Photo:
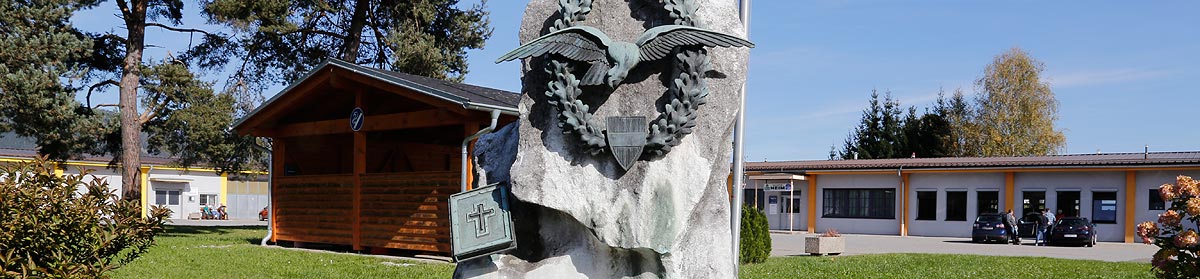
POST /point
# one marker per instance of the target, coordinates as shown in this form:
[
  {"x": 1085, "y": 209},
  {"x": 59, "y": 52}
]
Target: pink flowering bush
[{"x": 1177, "y": 256}]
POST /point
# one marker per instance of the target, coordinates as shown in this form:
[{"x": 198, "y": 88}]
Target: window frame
[
  {"x": 979, "y": 204},
  {"x": 951, "y": 207},
  {"x": 922, "y": 211},
  {"x": 1155, "y": 198},
  {"x": 209, "y": 199},
  {"x": 859, "y": 203},
  {"x": 1098, "y": 203}
]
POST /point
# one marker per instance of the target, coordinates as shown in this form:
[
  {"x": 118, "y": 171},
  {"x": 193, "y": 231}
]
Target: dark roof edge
[
  {"x": 377, "y": 74},
  {"x": 981, "y": 169}
]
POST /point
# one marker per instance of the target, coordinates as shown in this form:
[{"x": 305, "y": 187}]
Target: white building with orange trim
[{"x": 942, "y": 196}]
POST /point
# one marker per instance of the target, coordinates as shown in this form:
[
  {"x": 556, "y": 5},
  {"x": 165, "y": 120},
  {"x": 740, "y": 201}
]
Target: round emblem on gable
[{"x": 356, "y": 119}]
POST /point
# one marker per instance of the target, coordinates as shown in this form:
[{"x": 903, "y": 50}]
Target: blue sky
[{"x": 1124, "y": 72}]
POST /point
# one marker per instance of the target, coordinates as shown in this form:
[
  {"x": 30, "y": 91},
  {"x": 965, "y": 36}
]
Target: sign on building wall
[{"x": 777, "y": 187}]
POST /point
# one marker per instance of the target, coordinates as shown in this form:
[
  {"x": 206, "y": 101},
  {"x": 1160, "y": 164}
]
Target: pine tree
[
  {"x": 879, "y": 133},
  {"x": 42, "y": 63},
  {"x": 280, "y": 41}
]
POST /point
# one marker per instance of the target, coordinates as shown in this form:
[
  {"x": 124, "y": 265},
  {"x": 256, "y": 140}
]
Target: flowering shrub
[
  {"x": 1177, "y": 241},
  {"x": 831, "y": 233}
]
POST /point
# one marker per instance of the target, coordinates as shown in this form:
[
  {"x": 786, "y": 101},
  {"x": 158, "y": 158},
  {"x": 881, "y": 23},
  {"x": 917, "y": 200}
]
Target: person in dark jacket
[
  {"x": 1042, "y": 224},
  {"x": 1011, "y": 222}
]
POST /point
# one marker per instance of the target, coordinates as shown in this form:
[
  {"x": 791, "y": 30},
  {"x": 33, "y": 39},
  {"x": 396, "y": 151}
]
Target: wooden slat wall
[
  {"x": 400, "y": 210},
  {"x": 408, "y": 210},
  {"x": 314, "y": 208}
]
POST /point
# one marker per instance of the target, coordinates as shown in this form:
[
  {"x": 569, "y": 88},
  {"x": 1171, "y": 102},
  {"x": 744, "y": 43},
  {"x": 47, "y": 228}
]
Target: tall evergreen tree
[
  {"x": 163, "y": 100},
  {"x": 41, "y": 65},
  {"x": 879, "y": 133},
  {"x": 926, "y": 135},
  {"x": 957, "y": 112},
  {"x": 1016, "y": 109},
  {"x": 279, "y": 41},
  {"x": 47, "y": 62}
]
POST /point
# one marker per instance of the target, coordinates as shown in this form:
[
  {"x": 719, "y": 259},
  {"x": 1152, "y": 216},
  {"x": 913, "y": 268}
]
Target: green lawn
[
  {"x": 940, "y": 266},
  {"x": 233, "y": 252}
]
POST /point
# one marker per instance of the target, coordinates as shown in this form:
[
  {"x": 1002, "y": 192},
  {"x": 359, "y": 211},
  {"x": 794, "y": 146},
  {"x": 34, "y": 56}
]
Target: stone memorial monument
[{"x": 618, "y": 166}]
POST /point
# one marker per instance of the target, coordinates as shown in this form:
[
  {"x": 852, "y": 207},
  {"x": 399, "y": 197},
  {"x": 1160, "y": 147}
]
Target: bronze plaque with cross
[{"x": 480, "y": 223}]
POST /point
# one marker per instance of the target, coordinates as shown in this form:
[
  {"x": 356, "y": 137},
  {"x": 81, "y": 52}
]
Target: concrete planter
[{"x": 828, "y": 245}]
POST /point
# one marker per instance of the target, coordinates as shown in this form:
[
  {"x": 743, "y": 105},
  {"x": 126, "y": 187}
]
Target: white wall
[
  {"x": 1147, "y": 180},
  {"x": 112, "y": 177},
  {"x": 198, "y": 182},
  {"x": 971, "y": 183},
  {"x": 1086, "y": 183},
  {"x": 858, "y": 225}
]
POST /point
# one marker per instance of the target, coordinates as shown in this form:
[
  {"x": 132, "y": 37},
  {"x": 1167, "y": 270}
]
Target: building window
[
  {"x": 956, "y": 206},
  {"x": 1156, "y": 201},
  {"x": 797, "y": 204},
  {"x": 860, "y": 203},
  {"x": 209, "y": 199},
  {"x": 926, "y": 205},
  {"x": 988, "y": 202},
  {"x": 1104, "y": 207},
  {"x": 1032, "y": 202},
  {"x": 160, "y": 197},
  {"x": 173, "y": 197}
]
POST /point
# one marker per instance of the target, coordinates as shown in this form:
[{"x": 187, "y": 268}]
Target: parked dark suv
[
  {"x": 1073, "y": 230},
  {"x": 988, "y": 227}
]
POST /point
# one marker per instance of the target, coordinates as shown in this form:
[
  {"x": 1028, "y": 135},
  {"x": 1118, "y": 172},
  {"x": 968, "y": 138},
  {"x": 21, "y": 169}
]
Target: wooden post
[
  {"x": 278, "y": 148},
  {"x": 470, "y": 128},
  {"x": 360, "y": 167}
]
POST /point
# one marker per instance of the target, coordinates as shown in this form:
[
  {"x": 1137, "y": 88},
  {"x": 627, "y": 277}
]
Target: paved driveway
[{"x": 783, "y": 244}]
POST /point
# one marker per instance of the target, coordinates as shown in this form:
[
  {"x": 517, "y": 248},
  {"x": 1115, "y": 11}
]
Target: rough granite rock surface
[{"x": 579, "y": 215}]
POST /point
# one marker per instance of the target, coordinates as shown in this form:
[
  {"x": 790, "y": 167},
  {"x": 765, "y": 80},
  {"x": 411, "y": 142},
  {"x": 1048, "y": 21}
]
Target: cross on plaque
[{"x": 479, "y": 217}]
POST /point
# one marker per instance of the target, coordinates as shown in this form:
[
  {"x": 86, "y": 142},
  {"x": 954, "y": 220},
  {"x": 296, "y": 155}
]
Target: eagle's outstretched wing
[
  {"x": 580, "y": 43},
  {"x": 657, "y": 42}
]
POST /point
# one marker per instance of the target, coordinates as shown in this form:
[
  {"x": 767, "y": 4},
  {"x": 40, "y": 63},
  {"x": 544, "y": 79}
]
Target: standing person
[
  {"x": 1050, "y": 221},
  {"x": 1011, "y": 222},
  {"x": 1060, "y": 215},
  {"x": 1042, "y": 224}
]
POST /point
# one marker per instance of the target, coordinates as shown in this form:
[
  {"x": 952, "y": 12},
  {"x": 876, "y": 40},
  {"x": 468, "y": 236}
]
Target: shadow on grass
[
  {"x": 184, "y": 231},
  {"x": 173, "y": 230}
]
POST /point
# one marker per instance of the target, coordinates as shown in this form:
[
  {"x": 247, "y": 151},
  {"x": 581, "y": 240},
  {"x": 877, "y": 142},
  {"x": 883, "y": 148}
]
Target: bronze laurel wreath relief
[{"x": 608, "y": 63}]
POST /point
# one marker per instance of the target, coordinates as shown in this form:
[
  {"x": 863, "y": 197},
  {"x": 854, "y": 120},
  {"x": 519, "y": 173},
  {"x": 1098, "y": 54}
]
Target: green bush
[
  {"x": 62, "y": 227},
  {"x": 756, "y": 240}
]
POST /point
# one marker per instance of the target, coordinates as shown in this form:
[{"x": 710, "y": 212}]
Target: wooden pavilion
[{"x": 380, "y": 182}]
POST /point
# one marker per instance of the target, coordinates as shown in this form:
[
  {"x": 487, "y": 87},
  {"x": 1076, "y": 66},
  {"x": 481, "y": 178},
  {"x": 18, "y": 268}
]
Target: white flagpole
[{"x": 739, "y": 162}]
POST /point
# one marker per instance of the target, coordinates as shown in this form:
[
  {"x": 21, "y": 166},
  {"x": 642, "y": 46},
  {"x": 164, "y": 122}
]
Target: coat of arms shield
[{"x": 626, "y": 138}]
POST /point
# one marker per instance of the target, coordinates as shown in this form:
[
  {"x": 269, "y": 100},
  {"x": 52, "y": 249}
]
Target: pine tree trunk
[
  {"x": 354, "y": 34},
  {"x": 131, "y": 126}
]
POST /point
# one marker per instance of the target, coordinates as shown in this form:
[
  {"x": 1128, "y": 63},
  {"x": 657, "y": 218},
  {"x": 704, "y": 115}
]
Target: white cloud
[{"x": 1105, "y": 76}]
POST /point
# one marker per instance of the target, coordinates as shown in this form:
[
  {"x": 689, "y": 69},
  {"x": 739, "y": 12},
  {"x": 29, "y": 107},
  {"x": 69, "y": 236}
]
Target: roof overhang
[
  {"x": 331, "y": 65},
  {"x": 779, "y": 176},
  {"x": 170, "y": 179}
]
